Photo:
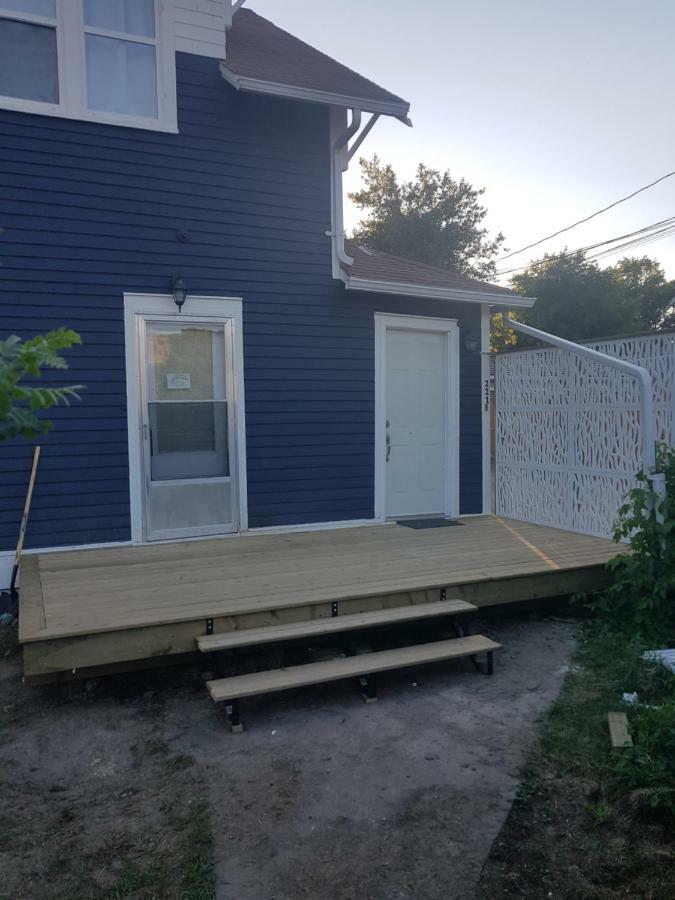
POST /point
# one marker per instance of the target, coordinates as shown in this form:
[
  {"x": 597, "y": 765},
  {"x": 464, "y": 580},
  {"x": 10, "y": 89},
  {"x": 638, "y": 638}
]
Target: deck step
[
  {"x": 251, "y": 636},
  {"x": 224, "y": 689}
]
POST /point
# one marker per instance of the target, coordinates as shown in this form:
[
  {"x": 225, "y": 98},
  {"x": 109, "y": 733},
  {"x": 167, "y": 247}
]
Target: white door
[
  {"x": 187, "y": 425},
  {"x": 416, "y": 409}
]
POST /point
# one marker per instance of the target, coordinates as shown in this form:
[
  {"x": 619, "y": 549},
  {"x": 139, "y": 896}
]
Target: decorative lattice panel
[{"x": 567, "y": 436}]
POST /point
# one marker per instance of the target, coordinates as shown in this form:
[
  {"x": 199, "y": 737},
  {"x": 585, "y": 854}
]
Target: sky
[{"x": 556, "y": 107}]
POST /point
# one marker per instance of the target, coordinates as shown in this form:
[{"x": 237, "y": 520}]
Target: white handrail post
[{"x": 647, "y": 418}]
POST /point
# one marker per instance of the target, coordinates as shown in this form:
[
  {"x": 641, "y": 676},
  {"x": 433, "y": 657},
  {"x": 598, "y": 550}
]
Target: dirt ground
[{"x": 134, "y": 787}]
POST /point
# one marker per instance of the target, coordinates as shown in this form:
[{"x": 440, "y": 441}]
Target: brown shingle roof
[
  {"x": 371, "y": 265},
  {"x": 258, "y": 51}
]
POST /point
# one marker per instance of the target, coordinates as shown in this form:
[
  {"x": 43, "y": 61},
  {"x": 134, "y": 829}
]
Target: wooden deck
[{"x": 82, "y": 610}]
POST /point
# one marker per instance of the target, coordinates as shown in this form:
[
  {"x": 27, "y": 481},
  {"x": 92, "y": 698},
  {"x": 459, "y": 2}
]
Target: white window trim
[
  {"x": 70, "y": 31},
  {"x": 450, "y": 327},
  {"x": 163, "y": 306}
]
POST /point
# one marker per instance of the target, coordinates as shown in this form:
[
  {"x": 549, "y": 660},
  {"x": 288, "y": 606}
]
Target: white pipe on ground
[{"x": 647, "y": 419}]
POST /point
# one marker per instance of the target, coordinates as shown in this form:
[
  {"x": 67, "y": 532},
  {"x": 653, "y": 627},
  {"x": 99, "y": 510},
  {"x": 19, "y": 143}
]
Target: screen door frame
[{"x": 219, "y": 311}]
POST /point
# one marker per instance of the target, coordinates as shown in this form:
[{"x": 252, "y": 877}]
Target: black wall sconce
[
  {"x": 179, "y": 289},
  {"x": 471, "y": 342}
]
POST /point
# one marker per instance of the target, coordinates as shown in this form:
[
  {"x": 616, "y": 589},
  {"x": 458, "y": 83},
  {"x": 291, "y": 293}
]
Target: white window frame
[
  {"x": 450, "y": 328},
  {"x": 72, "y": 75}
]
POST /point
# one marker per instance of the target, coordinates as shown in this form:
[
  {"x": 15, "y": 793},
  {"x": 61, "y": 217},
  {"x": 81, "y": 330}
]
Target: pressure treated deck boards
[
  {"x": 240, "y": 686},
  {"x": 98, "y": 591}
]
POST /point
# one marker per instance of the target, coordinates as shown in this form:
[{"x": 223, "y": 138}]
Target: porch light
[
  {"x": 472, "y": 343},
  {"x": 179, "y": 292}
]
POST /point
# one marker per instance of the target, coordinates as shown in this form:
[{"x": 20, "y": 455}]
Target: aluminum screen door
[{"x": 187, "y": 428}]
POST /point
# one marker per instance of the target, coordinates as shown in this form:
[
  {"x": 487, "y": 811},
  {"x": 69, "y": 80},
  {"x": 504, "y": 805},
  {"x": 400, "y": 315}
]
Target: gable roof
[
  {"x": 383, "y": 273},
  {"x": 265, "y": 59}
]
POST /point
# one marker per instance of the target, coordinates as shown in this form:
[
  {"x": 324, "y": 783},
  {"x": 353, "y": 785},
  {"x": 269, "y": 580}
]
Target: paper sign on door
[{"x": 178, "y": 382}]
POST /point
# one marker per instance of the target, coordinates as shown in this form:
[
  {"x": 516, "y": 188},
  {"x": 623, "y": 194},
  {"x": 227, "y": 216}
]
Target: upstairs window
[
  {"x": 121, "y": 56},
  {"x": 28, "y": 50},
  {"x": 107, "y": 60}
]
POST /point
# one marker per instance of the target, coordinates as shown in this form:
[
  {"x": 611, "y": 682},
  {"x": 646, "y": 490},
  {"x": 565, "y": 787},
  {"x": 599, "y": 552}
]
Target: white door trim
[
  {"x": 450, "y": 327},
  {"x": 162, "y": 306},
  {"x": 485, "y": 406}
]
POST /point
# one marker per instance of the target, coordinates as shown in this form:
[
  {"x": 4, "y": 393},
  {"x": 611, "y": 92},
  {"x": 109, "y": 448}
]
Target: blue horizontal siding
[{"x": 90, "y": 211}]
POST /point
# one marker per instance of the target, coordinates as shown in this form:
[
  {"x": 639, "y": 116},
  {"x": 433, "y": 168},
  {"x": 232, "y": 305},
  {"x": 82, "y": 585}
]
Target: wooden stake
[
  {"x": 618, "y": 730},
  {"x": 24, "y": 519}
]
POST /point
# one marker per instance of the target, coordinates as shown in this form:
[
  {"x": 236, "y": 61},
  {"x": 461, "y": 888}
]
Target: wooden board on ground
[
  {"x": 256, "y": 683},
  {"x": 618, "y": 730}
]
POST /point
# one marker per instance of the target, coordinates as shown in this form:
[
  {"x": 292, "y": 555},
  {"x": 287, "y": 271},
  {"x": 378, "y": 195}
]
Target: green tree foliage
[
  {"x": 432, "y": 219},
  {"x": 21, "y": 403},
  {"x": 641, "y": 598},
  {"x": 576, "y": 299}
]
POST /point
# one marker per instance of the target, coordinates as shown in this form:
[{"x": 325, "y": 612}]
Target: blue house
[{"x": 171, "y": 188}]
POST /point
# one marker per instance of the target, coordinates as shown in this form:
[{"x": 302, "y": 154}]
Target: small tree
[
  {"x": 432, "y": 219},
  {"x": 19, "y": 402}
]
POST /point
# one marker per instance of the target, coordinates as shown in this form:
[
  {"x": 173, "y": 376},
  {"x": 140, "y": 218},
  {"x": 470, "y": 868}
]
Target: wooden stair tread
[
  {"x": 251, "y": 636},
  {"x": 334, "y": 669}
]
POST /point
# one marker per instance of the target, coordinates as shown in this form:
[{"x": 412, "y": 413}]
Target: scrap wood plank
[{"x": 618, "y": 730}]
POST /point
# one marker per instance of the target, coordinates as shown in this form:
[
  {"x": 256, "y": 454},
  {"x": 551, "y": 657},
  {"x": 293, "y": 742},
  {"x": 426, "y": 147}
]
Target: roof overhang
[
  {"x": 292, "y": 92},
  {"x": 508, "y": 301}
]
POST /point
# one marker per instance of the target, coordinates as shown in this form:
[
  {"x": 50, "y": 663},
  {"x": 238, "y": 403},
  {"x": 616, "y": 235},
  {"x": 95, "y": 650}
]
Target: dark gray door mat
[{"x": 427, "y": 523}]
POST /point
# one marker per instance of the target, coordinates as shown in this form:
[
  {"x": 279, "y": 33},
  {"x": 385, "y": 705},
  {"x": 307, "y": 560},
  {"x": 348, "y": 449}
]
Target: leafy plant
[
  {"x": 645, "y": 772},
  {"x": 20, "y": 403},
  {"x": 642, "y": 596}
]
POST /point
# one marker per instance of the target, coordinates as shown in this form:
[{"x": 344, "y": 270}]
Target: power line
[
  {"x": 588, "y": 218},
  {"x": 637, "y": 236},
  {"x": 632, "y": 245}
]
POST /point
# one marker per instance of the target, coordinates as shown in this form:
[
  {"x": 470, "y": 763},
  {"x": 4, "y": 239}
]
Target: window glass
[
  {"x": 36, "y": 7},
  {"x": 128, "y": 16},
  {"x": 28, "y": 66},
  {"x": 121, "y": 76}
]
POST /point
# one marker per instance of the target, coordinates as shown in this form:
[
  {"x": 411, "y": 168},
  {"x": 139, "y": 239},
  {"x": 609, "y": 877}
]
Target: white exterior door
[{"x": 418, "y": 414}]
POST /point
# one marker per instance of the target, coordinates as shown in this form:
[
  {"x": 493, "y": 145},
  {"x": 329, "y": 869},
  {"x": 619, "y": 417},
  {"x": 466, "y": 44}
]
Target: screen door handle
[{"x": 388, "y": 442}]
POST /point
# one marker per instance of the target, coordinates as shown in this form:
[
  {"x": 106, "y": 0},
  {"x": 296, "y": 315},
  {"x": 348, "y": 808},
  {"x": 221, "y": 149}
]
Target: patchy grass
[
  {"x": 189, "y": 876},
  {"x": 591, "y": 822},
  {"x": 127, "y": 820}
]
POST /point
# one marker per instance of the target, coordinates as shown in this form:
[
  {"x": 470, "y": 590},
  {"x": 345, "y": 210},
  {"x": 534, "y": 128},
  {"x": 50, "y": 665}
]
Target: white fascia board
[
  {"x": 432, "y": 293},
  {"x": 242, "y": 83}
]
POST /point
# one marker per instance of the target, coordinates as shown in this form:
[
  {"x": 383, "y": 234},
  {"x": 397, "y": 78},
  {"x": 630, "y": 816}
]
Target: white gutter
[
  {"x": 293, "y": 92},
  {"x": 647, "y": 420},
  {"x": 399, "y": 288}
]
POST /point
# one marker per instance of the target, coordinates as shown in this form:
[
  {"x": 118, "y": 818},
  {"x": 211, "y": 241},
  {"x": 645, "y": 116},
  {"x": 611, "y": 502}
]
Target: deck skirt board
[{"x": 261, "y": 580}]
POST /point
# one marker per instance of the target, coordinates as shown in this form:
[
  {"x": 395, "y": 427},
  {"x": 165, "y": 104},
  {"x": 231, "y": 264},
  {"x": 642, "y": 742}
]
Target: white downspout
[
  {"x": 339, "y": 164},
  {"x": 647, "y": 420}
]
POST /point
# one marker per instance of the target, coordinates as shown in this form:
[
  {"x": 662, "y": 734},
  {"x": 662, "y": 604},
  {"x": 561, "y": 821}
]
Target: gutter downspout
[
  {"x": 647, "y": 420},
  {"x": 340, "y": 164}
]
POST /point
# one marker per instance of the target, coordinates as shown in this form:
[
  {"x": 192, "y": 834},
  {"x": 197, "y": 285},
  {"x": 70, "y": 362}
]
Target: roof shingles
[
  {"x": 259, "y": 50},
  {"x": 371, "y": 265}
]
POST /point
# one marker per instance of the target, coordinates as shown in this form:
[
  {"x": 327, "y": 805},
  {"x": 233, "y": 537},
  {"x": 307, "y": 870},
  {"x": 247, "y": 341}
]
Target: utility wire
[
  {"x": 588, "y": 218},
  {"x": 639, "y": 235},
  {"x": 649, "y": 239}
]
